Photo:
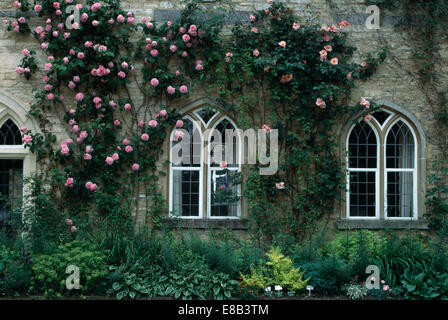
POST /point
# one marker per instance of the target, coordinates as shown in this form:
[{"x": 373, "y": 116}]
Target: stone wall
[{"x": 391, "y": 83}]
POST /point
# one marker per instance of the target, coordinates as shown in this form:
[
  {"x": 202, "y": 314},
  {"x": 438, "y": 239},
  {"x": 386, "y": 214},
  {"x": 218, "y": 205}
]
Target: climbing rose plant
[
  {"x": 114, "y": 136},
  {"x": 273, "y": 72}
]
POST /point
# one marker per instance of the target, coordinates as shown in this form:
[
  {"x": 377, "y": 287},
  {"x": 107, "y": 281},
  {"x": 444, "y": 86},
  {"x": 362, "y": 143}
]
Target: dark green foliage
[
  {"x": 15, "y": 269},
  {"x": 327, "y": 275}
]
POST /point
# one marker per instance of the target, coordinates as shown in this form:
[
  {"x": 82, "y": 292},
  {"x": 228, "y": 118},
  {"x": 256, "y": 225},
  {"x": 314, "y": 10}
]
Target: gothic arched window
[
  {"x": 199, "y": 186},
  {"x": 382, "y": 168}
]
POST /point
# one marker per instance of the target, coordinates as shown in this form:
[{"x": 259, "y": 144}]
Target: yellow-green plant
[{"x": 278, "y": 271}]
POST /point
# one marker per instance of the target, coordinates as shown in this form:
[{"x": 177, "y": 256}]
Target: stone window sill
[
  {"x": 346, "y": 224},
  {"x": 234, "y": 224}
]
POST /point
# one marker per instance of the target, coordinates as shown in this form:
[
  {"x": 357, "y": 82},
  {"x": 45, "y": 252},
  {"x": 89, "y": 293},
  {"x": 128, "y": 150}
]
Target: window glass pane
[
  {"x": 224, "y": 193},
  {"x": 205, "y": 114},
  {"x": 185, "y": 192},
  {"x": 10, "y": 134},
  {"x": 381, "y": 116},
  {"x": 362, "y": 147},
  {"x": 362, "y": 194},
  {"x": 399, "y": 194},
  {"x": 228, "y": 149},
  {"x": 11, "y": 175},
  {"x": 193, "y": 149},
  {"x": 400, "y": 147}
]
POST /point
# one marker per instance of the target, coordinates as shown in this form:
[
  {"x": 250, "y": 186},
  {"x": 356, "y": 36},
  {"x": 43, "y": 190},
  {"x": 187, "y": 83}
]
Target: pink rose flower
[
  {"x": 365, "y": 103},
  {"x": 154, "y": 82},
  {"x": 68, "y": 222},
  {"x": 280, "y": 185},
  {"x": 97, "y": 100},
  {"x": 179, "y": 123},
  {"x": 178, "y": 134},
  {"x": 96, "y": 6},
  {"x": 186, "y": 38},
  {"x": 152, "y": 123},
  {"x": 135, "y": 166},
  {"x": 115, "y": 156},
  {"x": 27, "y": 139},
  {"x": 320, "y": 103},
  {"x": 266, "y": 128},
  {"x": 109, "y": 160},
  {"x": 79, "y": 96},
  {"x": 170, "y": 90},
  {"x": 128, "y": 149},
  {"x": 117, "y": 123},
  {"x": 367, "y": 117},
  {"x": 87, "y": 156},
  {"x": 163, "y": 113},
  {"x": 183, "y": 89},
  {"x": 145, "y": 137}
]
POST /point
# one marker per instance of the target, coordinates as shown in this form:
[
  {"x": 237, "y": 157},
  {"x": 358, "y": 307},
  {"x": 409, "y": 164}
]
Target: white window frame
[
  {"x": 210, "y": 169},
  {"x": 218, "y": 117},
  {"x": 413, "y": 170},
  {"x": 377, "y": 175},
  {"x": 180, "y": 168}
]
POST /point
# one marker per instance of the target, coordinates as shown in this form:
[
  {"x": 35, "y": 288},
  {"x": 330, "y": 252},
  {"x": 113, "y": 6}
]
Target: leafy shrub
[
  {"x": 229, "y": 257},
  {"x": 359, "y": 249},
  {"x": 14, "y": 272},
  {"x": 49, "y": 270},
  {"x": 278, "y": 270},
  {"x": 327, "y": 275},
  {"x": 401, "y": 254},
  {"x": 191, "y": 280},
  {"x": 424, "y": 285},
  {"x": 382, "y": 292},
  {"x": 355, "y": 290},
  {"x": 129, "y": 283}
]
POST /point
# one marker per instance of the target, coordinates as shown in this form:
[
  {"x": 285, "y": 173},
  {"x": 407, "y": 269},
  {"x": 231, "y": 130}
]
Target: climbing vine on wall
[
  {"x": 280, "y": 73},
  {"x": 423, "y": 25},
  {"x": 272, "y": 72},
  {"x": 114, "y": 136}
]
